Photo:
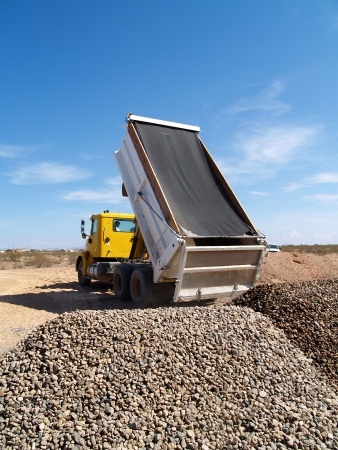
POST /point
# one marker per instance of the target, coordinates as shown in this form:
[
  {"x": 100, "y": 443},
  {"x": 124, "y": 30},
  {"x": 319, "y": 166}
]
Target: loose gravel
[
  {"x": 308, "y": 314},
  {"x": 219, "y": 377}
]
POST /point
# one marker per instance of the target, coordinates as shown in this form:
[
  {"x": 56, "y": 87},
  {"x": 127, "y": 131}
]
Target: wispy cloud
[
  {"x": 265, "y": 101},
  {"x": 292, "y": 187},
  {"x": 267, "y": 144},
  {"x": 259, "y": 193},
  {"x": 327, "y": 198},
  {"x": 319, "y": 178},
  {"x": 15, "y": 151},
  {"x": 47, "y": 173},
  {"x": 109, "y": 196},
  {"x": 325, "y": 177},
  {"x": 91, "y": 156},
  {"x": 263, "y": 150},
  {"x": 276, "y": 145}
]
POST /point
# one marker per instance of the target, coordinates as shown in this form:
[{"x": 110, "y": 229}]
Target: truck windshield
[{"x": 124, "y": 225}]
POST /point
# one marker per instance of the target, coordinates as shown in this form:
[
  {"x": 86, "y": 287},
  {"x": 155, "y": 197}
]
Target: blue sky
[{"x": 259, "y": 77}]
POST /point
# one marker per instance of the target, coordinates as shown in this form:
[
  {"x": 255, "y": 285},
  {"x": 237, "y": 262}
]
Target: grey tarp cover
[{"x": 199, "y": 204}]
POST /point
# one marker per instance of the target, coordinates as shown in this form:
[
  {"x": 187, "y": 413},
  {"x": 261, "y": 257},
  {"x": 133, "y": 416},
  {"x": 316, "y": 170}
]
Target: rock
[
  {"x": 307, "y": 312},
  {"x": 177, "y": 387}
]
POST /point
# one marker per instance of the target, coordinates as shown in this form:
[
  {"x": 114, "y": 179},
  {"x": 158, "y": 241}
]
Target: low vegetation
[
  {"x": 11, "y": 259},
  {"x": 19, "y": 260},
  {"x": 315, "y": 249}
]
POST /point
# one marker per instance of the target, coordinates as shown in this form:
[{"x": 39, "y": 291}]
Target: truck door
[
  {"x": 93, "y": 240},
  {"x": 123, "y": 233}
]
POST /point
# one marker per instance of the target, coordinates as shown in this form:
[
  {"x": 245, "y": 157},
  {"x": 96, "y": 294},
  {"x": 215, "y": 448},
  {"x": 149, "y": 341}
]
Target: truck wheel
[
  {"x": 121, "y": 281},
  {"x": 83, "y": 281},
  {"x": 141, "y": 284}
]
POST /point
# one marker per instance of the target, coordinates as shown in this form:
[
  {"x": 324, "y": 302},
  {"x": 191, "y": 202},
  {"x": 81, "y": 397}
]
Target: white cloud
[
  {"x": 14, "y": 151},
  {"x": 265, "y": 101},
  {"x": 319, "y": 178},
  {"x": 110, "y": 196},
  {"x": 263, "y": 150},
  {"x": 47, "y": 173},
  {"x": 323, "y": 197},
  {"x": 91, "y": 156},
  {"x": 276, "y": 145},
  {"x": 259, "y": 194},
  {"x": 292, "y": 187},
  {"x": 300, "y": 223},
  {"x": 9, "y": 151},
  {"x": 325, "y": 177},
  {"x": 266, "y": 145}
]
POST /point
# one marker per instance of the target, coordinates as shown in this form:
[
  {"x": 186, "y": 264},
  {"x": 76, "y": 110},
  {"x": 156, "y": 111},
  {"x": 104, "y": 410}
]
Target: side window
[
  {"x": 94, "y": 227},
  {"x": 124, "y": 225},
  {"x": 116, "y": 225}
]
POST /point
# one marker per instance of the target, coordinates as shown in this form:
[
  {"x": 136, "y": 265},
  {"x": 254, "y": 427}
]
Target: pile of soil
[{"x": 291, "y": 267}]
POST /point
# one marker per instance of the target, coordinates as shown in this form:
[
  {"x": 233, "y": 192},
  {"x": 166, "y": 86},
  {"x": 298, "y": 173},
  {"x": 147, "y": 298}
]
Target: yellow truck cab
[{"x": 109, "y": 241}]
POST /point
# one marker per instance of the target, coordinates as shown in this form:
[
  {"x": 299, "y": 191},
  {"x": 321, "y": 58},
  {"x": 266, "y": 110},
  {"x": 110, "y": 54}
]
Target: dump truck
[{"x": 188, "y": 238}]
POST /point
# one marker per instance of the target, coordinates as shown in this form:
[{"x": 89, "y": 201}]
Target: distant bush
[
  {"x": 39, "y": 260},
  {"x": 20, "y": 260},
  {"x": 12, "y": 256},
  {"x": 316, "y": 249},
  {"x": 72, "y": 257}
]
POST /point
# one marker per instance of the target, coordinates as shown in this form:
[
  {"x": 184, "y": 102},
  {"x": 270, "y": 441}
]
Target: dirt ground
[{"x": 29, "y": 297}]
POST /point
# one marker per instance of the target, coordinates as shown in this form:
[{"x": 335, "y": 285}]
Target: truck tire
[
  {"x": 141, "y": 285},
  {"x": 83, "y": 281},
  {"x": 121, "y": 281}
]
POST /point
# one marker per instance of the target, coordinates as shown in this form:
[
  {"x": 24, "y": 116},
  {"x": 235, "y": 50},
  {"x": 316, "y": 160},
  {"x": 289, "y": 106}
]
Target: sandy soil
[
  {"x": 30, "y": 297},
  {"x": 289, "y": 267}
]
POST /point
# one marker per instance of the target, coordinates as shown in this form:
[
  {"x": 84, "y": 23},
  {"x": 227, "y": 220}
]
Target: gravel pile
[
  {"x": 220, "y": 377},
  {"x": 308, "y": 314}
]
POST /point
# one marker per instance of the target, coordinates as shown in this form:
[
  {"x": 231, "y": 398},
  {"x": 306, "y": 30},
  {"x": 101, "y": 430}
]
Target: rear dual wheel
[
  {"x": 145, "y": 293},
  {"x": 137, "y": 284},
  {"x": 121, "y": 281},
  {"x": 141, "y": 287}
]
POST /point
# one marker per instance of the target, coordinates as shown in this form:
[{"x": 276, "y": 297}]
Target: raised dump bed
[{"x": 196, "y": 232}]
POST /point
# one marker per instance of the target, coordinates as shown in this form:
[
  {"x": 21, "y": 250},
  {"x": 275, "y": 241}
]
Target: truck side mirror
[{"x": 83, "y": 234}]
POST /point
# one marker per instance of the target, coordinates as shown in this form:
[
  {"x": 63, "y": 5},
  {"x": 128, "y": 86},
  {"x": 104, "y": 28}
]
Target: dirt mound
[{"x": 290, "y": 267}]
